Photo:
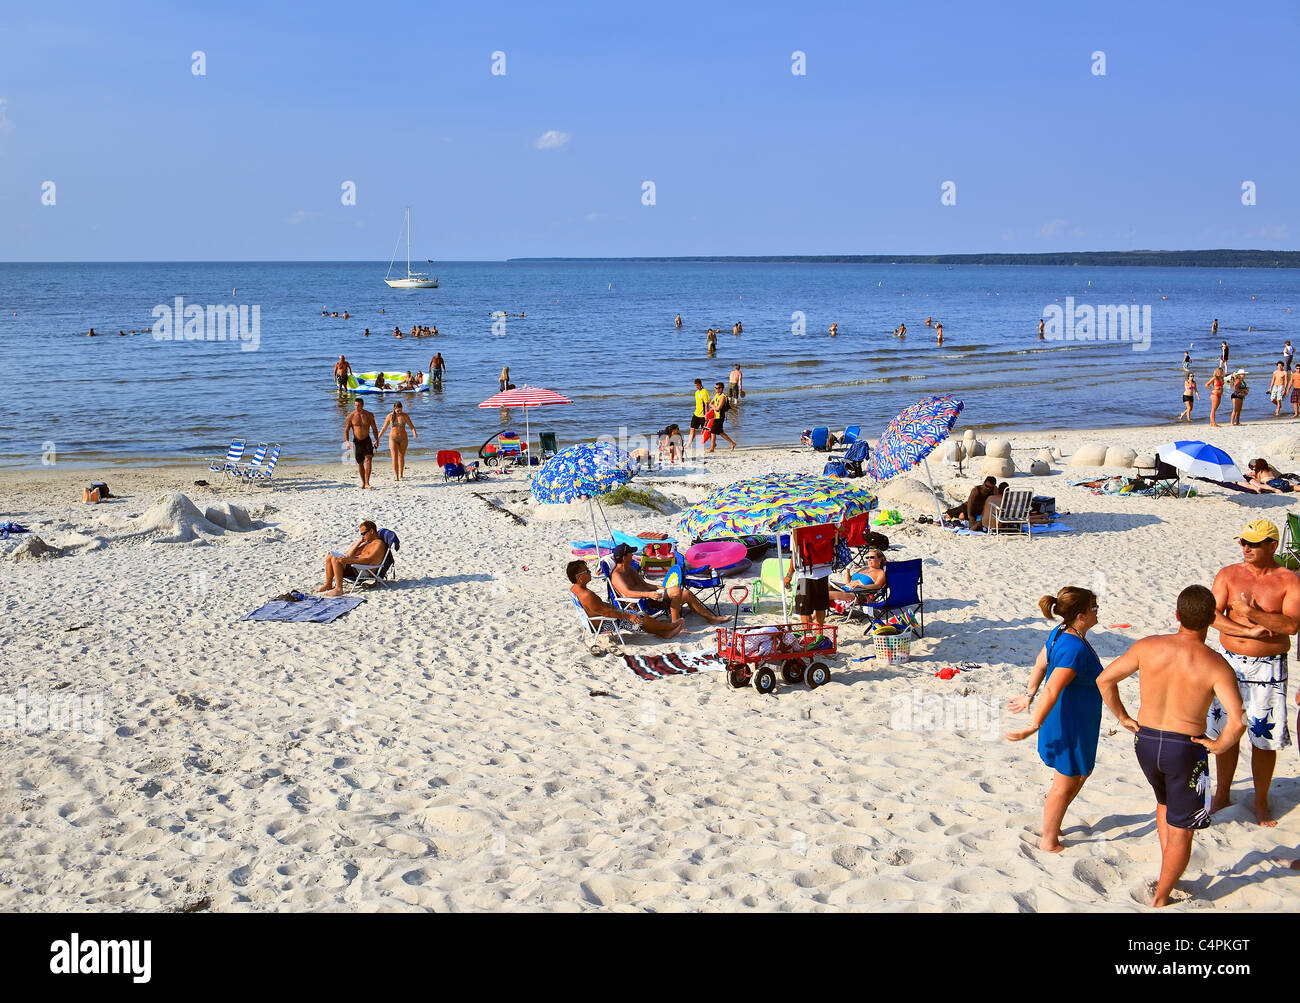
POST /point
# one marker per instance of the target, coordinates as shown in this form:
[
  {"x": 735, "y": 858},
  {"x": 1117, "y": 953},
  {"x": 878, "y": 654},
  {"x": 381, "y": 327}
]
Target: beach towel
[
  {"x": 308, "y": 609},
  {"x": 674, "y": 664}
]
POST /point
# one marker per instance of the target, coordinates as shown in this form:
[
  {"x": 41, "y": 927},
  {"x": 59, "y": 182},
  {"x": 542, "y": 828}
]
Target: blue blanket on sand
[{"x": 310, "y": 609}]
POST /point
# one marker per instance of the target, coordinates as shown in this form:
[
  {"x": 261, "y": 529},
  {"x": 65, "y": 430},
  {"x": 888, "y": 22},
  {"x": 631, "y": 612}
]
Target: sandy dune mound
[
  {"x": 34, "y": 549},
  {"x": 908, "y": 492}
]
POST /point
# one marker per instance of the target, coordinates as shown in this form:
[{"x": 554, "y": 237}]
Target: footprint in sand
[{"x": 1143, "y": 893}]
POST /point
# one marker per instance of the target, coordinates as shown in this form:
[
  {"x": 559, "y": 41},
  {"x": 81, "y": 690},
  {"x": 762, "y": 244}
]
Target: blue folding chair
[{"x": 903, "y": 580}]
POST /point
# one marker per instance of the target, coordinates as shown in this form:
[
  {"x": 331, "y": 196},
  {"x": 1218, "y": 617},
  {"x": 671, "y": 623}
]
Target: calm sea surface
[{"x": 602, "y": 334}]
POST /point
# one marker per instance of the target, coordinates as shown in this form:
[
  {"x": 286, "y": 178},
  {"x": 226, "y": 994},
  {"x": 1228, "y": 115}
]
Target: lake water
[{"x": 601, "y": 333}]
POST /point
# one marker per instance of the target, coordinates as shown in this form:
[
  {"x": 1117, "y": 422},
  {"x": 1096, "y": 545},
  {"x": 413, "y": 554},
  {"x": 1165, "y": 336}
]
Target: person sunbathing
[
  {"x": 629, "y": 584},
  {"x": 408, "y": 382},
  {"x": 1263, "y": 479},
  {"x": 370, "y": 550},
  {"x": 379, "y": 382},
  {"x": 864, "y": 581},
  {"x": 580, "y": 577}
]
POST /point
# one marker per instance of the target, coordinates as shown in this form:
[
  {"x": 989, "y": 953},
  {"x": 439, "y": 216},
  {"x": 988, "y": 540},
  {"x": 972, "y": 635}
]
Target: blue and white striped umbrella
[
  {"x": 1200, "y": 459},
  {"x": 911, "y": 437},
  {"x": 586, "y": 470}
]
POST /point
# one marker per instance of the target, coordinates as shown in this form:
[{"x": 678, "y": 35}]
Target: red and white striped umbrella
[{"x": 525, "y": 397}]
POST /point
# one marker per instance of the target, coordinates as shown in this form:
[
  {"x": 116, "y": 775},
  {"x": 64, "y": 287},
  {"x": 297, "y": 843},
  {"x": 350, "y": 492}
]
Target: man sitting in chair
[
  {"x": 628, "y": 584},
  {"x": 370, "y": 550},
  {"x": 580, "y": 575}
]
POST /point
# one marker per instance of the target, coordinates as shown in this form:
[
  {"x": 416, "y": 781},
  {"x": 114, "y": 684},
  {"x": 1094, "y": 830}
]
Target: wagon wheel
[
  {"x": 792, "y": 671},
  {"x": 818, "y": 674},
  {"x": 738, "y": 675},
  {"x": 764, "y": 680}
]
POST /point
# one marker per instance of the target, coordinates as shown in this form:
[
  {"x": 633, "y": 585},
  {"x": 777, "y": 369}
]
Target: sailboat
[{"x": 413, "y": 280}]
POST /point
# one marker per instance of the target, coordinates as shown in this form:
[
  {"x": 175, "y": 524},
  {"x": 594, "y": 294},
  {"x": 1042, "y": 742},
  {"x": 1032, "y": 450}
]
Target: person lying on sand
[
  {"x": 628, "y": 584},
  {"x": 369, "y": 550},
  {"x": 1263, "y": 479},
  {"x": 580, "y": 577}
]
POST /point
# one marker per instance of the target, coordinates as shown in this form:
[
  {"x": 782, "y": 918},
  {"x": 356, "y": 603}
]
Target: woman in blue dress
[{"x": 1068, "y": 719}]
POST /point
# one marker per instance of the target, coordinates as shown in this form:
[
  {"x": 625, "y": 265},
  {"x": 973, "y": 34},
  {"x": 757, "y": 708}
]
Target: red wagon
[{"x": 752, "y": 654}]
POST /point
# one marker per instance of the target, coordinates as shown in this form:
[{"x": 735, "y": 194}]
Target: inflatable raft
[{"x": 364, "y": 383}]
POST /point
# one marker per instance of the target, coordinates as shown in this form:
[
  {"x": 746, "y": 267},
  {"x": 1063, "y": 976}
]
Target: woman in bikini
[
  {"x": 1215, "y": 386},
  {"x": 1239, "y": 391},
  {"x": 396, "y": 425},
  {"x": 1189, "y": 388}
]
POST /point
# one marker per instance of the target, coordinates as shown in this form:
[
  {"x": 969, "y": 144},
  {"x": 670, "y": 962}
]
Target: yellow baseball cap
[{"x": 1259, "y": 531}]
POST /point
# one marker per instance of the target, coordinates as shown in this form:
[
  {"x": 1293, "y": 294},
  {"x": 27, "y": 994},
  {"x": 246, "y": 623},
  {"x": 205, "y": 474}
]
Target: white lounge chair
[{"x": 1012, "y": 516}]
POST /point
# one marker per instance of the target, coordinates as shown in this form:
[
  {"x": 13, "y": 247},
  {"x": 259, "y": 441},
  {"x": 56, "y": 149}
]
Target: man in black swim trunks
[
  {"x": 1180, "y": 676},
  {"x": 359, "y": 429}
]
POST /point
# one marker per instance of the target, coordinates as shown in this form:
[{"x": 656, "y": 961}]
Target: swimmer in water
[
  {"x": 1040, "y": 331},
  {"x": 835, "y": 329},
  {"x": 677, "y": 322}
]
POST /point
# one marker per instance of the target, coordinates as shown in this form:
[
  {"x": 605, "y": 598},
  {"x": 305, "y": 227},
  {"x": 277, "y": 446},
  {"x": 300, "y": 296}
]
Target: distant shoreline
[{"x": 1223, "y": 258}]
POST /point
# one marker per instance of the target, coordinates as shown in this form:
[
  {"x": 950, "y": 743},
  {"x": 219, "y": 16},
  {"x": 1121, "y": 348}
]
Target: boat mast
[{"x": 408, "y": 241}]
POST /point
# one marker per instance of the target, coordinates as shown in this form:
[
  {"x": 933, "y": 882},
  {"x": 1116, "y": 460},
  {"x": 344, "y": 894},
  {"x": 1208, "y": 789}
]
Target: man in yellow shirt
[{"x": 699, "y": 420}]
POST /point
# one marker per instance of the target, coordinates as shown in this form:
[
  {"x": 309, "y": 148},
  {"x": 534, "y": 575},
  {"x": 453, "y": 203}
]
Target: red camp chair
[{"x": 453, "y": 468}]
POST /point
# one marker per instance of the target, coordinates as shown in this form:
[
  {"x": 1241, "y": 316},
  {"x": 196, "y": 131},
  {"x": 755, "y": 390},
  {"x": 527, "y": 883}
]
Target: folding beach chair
[
  {"x": 375, "y": 574},
  {"x": 596, "y": 627},
  {"x": 902, "y": 595},
  {"x": 817, "y": 438},
  {"x": 1288, "y": 551},
  {"x": 851, "y": 435},
  {"x": 453, "y": 468},
  {"x": 258, "y": 460},
  {"x": 262, "y": 474},
  {"x": 230, "y": 462},
  {"x": 770, "y": 582},
  {"x": 1012, "y": 516}
]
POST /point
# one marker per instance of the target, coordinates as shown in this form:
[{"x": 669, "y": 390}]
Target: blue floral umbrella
[
  {"x": 912, "y": 436},
  {"x": 587, "y": 470},
  {"x": 775, "y": 503}
]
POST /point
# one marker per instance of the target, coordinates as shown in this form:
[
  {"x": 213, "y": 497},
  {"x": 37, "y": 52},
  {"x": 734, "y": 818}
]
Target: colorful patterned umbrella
[
  {"x": 775, "y": 503},
  {"x": 525, "y": 397},
  {"x": 582, "y": 471},
  {"x": 587, "y": 470},
  {"x": 912, "y": 436}
]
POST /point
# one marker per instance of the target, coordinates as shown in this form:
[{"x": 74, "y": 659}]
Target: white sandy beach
[{"x": 439, "y": 747}]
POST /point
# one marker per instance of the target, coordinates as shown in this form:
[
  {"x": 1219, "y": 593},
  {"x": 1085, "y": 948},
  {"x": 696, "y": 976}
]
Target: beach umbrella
[
  {"x": 912, "y": 436},
  {"x": 1199, "y": 459},
  {"x": 776, "y": 504},
  {"x": 525, "y": 397},
  {"x": 587, "y": 470}
]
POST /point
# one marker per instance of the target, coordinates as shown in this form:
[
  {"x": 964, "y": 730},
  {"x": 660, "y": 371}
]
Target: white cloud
[
  {"x": 1271, "y": 231},
  {"x": 5, "y": 124},
  {"x": 301, "y": 216},
  {"x": 552, "y": 139},
  {"x": 1051, "y": 228},
  {"x": 591, "y": 217}
]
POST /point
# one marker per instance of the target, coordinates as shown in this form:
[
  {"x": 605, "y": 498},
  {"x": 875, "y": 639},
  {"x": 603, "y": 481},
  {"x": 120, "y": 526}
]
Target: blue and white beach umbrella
[
  {"x": 587, "y": 470},
  {"x": 1200, "y": 459}
]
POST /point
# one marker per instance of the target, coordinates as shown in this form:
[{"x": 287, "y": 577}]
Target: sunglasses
[{"x": 1252, "y": 546}]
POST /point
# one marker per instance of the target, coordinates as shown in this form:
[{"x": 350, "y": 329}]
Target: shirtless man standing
[
  {"x": 1179, "y": 678},
  {"x": 437, "y": 367},
  {"x": 361, "y": 423},
  {"x": 734, "y": 388},
  {"x": 1258, "y": 607},
  {"x": 341, "y": 371}
]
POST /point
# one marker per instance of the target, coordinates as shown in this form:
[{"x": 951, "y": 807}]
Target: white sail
[{"x": 413, "y": 280}]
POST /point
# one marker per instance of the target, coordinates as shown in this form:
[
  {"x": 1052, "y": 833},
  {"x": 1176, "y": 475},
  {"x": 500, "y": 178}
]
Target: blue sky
[{"x": 151, "y": 162}]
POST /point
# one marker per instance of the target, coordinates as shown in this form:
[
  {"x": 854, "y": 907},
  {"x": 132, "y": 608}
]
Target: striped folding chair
[
  {"x": 262, "y": 474},
  {"x": 229, "y": 464}
]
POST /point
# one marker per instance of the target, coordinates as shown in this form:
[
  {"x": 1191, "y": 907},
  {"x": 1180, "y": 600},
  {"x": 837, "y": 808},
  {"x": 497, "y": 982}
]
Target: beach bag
[
  {"x": 878, "y": 540},
  {"x": 836, "y": 468},
  {"x": 842, "y": 556}
]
